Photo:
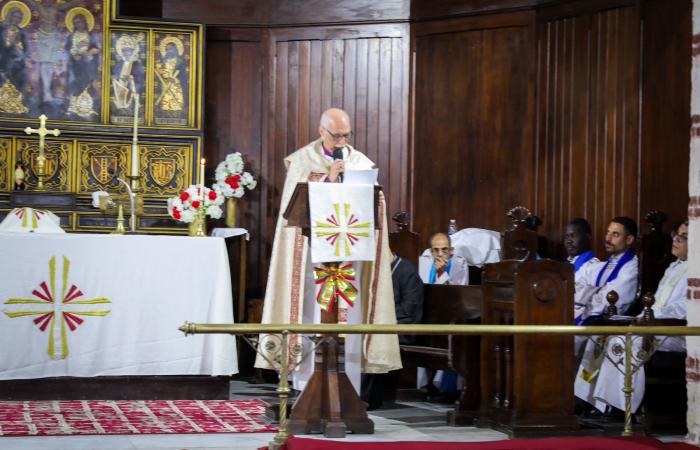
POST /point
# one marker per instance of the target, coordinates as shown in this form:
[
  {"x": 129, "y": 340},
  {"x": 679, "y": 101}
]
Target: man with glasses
[
  {"x": 441, "y": 265},
  {"x": 670, "y": 308},
  {"x": 290, "y": 296}
]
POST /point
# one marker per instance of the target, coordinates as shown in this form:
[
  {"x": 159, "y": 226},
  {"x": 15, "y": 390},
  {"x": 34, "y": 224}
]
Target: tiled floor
[{"x": 406, "y": 421}]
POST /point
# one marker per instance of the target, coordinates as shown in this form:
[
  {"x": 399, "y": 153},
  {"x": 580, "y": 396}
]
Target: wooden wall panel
[
  {"x": 219, "y": 12},
  {"x": 666, "y": 107},
  {"x": 612, "y": 115},
  {"x": 233, "y": 117},
  {"x": 473, "y": 120},
  {"x": 587, "y": 147}
]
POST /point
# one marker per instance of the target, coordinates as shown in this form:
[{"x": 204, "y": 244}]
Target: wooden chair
[
  {"x": 654, "y": 257},
  {"x": 519, "y": 242},
  {"x": 404, "y": 242},
  {"x": 665, "y": 390}
]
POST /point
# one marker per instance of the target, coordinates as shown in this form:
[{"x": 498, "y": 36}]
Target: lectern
[{"x": 329, "y": 403}]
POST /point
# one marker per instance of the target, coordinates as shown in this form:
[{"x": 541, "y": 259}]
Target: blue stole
[
  {"x": 582, "y": 259},
  {"x": 624, "y": 259},
  {"x": 433, "y": 272}
]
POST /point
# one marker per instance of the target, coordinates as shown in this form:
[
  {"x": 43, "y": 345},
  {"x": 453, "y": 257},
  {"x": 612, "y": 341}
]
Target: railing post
[
  {"x": 283, "y": 391},
  {"x": 628, "y": 388}
]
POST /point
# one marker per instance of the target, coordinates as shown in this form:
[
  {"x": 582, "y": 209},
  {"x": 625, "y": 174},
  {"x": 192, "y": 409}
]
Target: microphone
[{"x": 338, "y": 154}]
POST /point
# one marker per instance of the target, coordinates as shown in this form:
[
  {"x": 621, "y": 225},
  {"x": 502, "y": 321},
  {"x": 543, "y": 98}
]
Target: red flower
[
  {"x": 233, "y": 181},
  {"x": 176, "y": 214},
  {"x": 212, "y": 195},
  {"x": 196, "y": 204},
  {"x": 184, "y": 196}
]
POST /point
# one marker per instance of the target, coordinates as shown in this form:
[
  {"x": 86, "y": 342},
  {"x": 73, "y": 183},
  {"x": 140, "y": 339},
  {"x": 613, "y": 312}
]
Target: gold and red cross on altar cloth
[{"x": 56, "y": 314}]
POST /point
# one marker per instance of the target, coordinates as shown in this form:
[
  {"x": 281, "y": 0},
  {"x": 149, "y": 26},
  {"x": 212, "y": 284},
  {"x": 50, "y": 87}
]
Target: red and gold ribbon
[{"x": 336, "y": 282}]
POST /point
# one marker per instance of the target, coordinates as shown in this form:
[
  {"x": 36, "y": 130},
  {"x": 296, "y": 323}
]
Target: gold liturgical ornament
[{"x": 42, "y": 131}]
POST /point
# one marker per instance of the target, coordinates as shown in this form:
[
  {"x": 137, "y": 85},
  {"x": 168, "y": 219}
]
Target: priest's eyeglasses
[
  {"x": 339, "y": 136},
  {"x": 679, "y": 237},
  {"x": 437, "y": 251}
]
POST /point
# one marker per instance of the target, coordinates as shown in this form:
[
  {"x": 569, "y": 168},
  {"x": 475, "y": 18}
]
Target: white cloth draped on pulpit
[
  {"x": 91, "y": 305},
  {"x": 342, "y": 222},
  {"x": 30, "y": 220}
]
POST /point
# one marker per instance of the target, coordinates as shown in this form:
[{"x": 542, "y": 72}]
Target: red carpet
[
  {"x": 38, "y": 418},
  {"x": 564, "y": 443}
]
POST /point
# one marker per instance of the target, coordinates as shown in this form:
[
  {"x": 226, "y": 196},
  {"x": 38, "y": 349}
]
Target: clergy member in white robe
[
  {"x": 618, "y": 273},
  {"x": 290, "y": 296},
  {"x": 439, "y": 264},
  {"x": 670, "y": 303}
]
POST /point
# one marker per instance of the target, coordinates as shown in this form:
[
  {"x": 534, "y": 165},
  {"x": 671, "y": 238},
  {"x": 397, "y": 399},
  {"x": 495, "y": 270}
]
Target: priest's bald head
[{"x": 335, "y": 128}]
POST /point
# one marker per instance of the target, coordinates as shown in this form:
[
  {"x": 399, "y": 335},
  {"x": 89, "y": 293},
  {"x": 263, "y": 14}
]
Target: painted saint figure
[
  {"x": 170, "y": 71},
  {"x": 83, "y": 59},
  {"x": 15, "y": 17},
  {"x": 128, "y": 74}
]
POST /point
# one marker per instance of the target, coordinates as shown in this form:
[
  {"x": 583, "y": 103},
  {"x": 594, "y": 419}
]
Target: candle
[
  {"x": 134, "y": 145},
  {"x": 201, "y": 173}
]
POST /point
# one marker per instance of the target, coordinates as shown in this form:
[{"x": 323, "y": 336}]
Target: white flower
[
  {"x": 195, "y": 193},
  {"x": 215, "y": 212},
  {"x": 227, "y": 170},
  {"x": 187, "y": 216}
]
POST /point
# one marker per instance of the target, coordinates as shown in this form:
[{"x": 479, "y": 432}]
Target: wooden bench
[{"x": 450, "y": 304}]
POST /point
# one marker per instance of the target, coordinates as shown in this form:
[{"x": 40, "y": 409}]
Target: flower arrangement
[
  {"x": 196, "y": 199},
  {"x": 231, "y": 180}
]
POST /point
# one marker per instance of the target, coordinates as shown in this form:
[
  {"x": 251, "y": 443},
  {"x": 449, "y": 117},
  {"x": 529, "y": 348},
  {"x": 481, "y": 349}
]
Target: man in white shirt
[
  {"x": 439, "y": 264},
  {"x": 618, "y": 273},
  {"x": 670, "y": 307}
]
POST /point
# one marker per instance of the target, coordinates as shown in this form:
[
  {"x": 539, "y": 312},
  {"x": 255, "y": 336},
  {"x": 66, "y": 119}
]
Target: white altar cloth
[{"x": 90, "y": 305}]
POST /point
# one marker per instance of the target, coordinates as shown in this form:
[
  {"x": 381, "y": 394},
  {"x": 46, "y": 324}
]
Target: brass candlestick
[{"x": 120, "y": 220}]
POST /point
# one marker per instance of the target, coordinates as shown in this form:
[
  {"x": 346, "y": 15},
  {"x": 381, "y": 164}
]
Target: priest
[{"x": 290, "y": 296}]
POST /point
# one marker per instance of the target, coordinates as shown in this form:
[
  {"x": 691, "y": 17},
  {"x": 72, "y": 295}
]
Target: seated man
[
  {"x": 670, "y": 307},
  {"x": 577, "y": 242},
  {"x": 439, "y": 264},
  {"x": 618, "y": 273},
  {"x": 408, "y": 300}
]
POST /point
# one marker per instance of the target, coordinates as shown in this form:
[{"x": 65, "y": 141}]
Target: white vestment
[
  {"x": 578, "y": 275},
  {"x": 606, "y": 388},
  {"x": 290, "y": 293},
  {"x": 590, "y": 297},
  {"x": 592, "y": 288},
  {"x": 458, "y": 274}
]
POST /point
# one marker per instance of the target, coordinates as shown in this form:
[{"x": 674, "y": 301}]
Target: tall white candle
[
  {"x": 134, "y": 144},
  {"x": 201, "y": 173}
]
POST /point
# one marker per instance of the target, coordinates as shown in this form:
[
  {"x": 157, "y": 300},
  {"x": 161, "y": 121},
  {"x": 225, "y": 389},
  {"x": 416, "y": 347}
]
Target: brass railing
[{"x": 286, "y": 329}]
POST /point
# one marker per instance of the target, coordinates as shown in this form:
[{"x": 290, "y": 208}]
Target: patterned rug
[{"x": 39, "y": 418}]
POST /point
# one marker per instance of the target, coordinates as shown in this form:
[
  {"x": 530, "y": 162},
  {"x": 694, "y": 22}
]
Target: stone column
[{"x": 693, "y": 343}]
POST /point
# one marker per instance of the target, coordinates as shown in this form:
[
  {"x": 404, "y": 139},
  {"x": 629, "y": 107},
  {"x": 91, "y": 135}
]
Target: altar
[{"x": 88, "y": 305}]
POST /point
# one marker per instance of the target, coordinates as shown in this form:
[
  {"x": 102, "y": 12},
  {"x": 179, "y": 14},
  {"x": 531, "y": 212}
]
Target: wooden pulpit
[
  {"x": 527, "y": 380},
  {"x": 329, "y": 404}
]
